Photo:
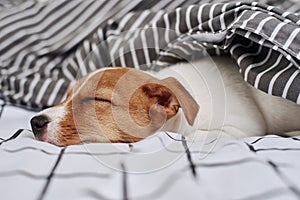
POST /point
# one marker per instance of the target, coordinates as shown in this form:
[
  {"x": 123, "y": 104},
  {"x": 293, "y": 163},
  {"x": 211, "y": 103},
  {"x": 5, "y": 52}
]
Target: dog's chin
[
  {"x": 51, "y": 139},
  {"x": 44, "y": 138}
]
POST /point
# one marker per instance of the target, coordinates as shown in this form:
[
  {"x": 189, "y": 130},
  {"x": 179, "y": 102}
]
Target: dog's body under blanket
[{"x": 202, "y": 99}]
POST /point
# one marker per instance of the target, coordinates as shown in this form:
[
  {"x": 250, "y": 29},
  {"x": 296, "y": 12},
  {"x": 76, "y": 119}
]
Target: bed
[
  {"x": 44, "y": 49},
  {"x": 163, "y": 166}
]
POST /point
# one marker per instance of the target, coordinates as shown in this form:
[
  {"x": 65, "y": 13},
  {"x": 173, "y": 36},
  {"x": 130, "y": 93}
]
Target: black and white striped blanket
[{"x": 46, "y": 45}]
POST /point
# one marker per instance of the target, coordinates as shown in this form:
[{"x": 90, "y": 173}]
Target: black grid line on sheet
[
  {"x": 178, "y": 140},
  {"x": 271, "y": 149},
  {"x": 82, "y": 174},
  {"x": 22, "y": 173},
  {"x": 2, "y": 106},
  {"x": 257, "y": 140},
  {"x": 29, "y": 148},
  {"x": 176, "y": 151},
  {"x": 66, "y": 153},
  {"x": 296, "y": 139},
  {"x": 253, "y": 149},
  {"x": 124, "y": 182},
  {"x": 272, "y": 137},
  {"x": 285, "y": 179},
  {"x": 49, "y": 177},
  {"x": 277, "y": 149},
  {"x": 130, "y": 146},
  {"x": 189, "y": 157},
  {"x": 15, "y": 135},
  {"x": 230, "y": 163},
  {"x": 57, "y": 176},
  {"x": 275, "y": 166}
]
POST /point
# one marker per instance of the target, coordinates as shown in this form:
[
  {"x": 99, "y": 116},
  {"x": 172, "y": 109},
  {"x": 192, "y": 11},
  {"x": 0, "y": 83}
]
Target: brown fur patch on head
[{"x": 89, "y": 111}]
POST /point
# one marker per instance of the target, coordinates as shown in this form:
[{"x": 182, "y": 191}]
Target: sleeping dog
[{"x": 203, "y": 99}]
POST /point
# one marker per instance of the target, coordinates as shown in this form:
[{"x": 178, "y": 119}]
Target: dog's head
[{"x": 113, "y": 105}]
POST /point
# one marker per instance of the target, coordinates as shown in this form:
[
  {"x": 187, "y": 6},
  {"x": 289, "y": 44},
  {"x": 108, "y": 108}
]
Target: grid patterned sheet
[
  {"x": 164, "y": 166},
  {"x": 47, "y": 45}
]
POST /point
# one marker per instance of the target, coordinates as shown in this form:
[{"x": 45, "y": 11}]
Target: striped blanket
[{"x": 45, "y": 45}]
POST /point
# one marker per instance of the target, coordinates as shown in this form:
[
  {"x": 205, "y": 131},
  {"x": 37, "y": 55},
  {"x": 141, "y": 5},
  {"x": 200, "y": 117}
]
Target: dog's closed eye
[{"x": 88, "y": 99}]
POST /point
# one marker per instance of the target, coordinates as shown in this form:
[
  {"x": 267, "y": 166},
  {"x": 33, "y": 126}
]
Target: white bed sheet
[{"x": 160, "y": 167}]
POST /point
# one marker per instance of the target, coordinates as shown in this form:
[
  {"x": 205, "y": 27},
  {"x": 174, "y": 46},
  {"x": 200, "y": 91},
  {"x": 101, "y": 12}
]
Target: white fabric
[{"x": 160, "y": 167}]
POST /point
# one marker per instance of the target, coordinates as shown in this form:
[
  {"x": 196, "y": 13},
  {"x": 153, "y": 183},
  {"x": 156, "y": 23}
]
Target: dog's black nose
[{"x": 38, "y": 124}]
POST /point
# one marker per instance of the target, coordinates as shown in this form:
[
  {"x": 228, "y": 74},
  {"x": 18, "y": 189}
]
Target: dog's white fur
[
  {"x": 229, "y": 106},
  {"x": 55, "y": 114}
]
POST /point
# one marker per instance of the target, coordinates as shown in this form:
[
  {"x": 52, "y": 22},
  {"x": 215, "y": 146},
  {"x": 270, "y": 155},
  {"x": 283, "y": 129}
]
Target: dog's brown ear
[
  {"x": 188, "y": 104},
  {"x": 171, "y": 95},
  {"x": 164, "y": 97}
]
